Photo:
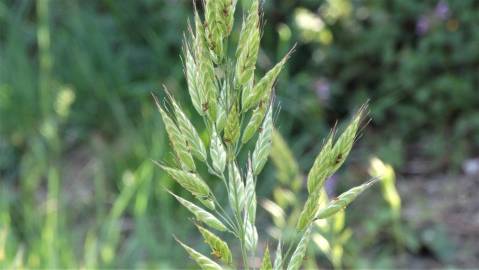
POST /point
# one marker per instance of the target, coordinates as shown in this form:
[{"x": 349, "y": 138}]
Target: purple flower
[
  {"x": 422, "y": 25},
  {"x": 322, "y": 88},
  {"x": 442, "y": 10}
]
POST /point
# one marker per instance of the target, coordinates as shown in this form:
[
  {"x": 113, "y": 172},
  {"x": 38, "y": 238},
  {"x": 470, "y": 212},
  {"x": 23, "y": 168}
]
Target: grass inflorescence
[{"x": 238, "y": 113}]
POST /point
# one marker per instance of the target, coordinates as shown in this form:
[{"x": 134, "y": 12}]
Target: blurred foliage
[{"x": 415, "y": 60}]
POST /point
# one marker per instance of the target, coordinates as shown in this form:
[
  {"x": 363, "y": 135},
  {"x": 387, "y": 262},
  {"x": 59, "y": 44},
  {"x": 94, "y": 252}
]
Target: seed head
[
  {"x": 232, "y": 128},
  {"x": 262, "y": 90},
  {"x": 263, "y": 144},
  {"x": 218, "y": 246},
  {"x": 248, "y": 46},
  {"x": 202, "y": 261}
]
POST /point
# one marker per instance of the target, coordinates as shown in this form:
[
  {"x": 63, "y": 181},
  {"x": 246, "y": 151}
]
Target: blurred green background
[{"x": 79, "y": 130}]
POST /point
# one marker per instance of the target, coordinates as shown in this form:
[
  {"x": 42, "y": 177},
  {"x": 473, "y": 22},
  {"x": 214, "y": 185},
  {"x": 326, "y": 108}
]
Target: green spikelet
[
  {"x": 218, "y": 247},
  {"x": 205, "y": 75},
  {"x": 215, "y": 28},
  {"x": 222, "y": 112},
  {"x": 250, "y": 194},
  {"x": 248, "y": 46},
  {"x": 189, "y": 132},
  {"x": 201, "y": 214},
  {"x": 251, "y": 235},
  {"x": 322, "y": 166},
  {"x": 217, "y": 153},
  {"x": 263, "y": 144},
  {"x": 193, "y": 183},
  {"x": 262, "y": 90},
  {"x": 190, "y": 72},
  {"x": 345, "y": 142},
  {"x": 266, "y": 263},
  {"x": 203, "y": 262},
  {"x": 343, "y": 200},
  {"x": 298, "y": 254},
  {"x": 232, "y": 128},
  {"x": 310, "y": 209},
  {"x": 254, "y": 122},
  {"x": 228, "y": 14},
  {"x": 178, "y": 141},
  {"x": 236, "y": 188}
]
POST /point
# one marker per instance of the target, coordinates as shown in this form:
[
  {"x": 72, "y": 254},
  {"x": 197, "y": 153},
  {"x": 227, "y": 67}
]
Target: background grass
[{"x": 78, "y": 128}]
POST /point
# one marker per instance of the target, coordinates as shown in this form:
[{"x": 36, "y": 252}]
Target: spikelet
[
  {"x": 202, "y": 261},
  {"x": 215, "y": 28},
  {"x": 236, "y": 188},
  {"x": 262, "y": 90},
  {"x": 205, "y": 74},
  {"x": 254, "y": 122},
  {"x": 266, "y": 263},
  {"x": 222, "y": 112},
  {"x": 287, "y": 169},
  {"x": 278, "y": 260},
  {"x": 201, "y": 214},
  {"x": 228, "y": 15},
  {"x": 248, "y": 46},
  {"x": 193, "y": 183},
  {"x": 298, "y": 254},
  {"x": 177, "y": 140},
  {"x": 218, "y": 247},
  {"x": 250, "y": 195},
  {"x": 232, "y": 128},
  {"x": 310, "y": 209},
  {"x": 189, "y": 132},
  {"x": 343, "y": 200},
  {"x": 263, "y": 144},
  {"x": 251, "y": 235},
  {"x": 345, "y": 142},
  {"x": 322, "y": 166},
  {"x": 190, "y": 72},
  {"x": 217, "y": 153}
]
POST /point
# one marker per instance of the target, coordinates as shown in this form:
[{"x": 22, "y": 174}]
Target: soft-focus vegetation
[{"x": 79, "y": 129}]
